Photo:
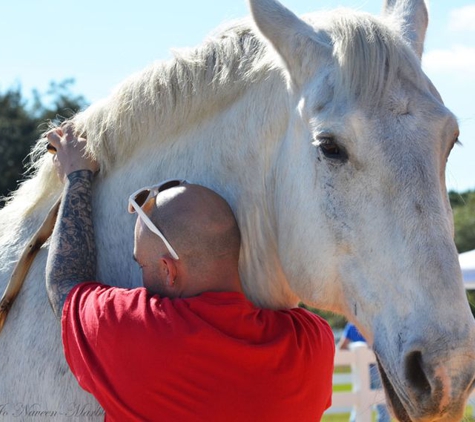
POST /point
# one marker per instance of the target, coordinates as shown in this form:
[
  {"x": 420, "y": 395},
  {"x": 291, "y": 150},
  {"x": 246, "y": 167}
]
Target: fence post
[{"x": 361, "y": 382}]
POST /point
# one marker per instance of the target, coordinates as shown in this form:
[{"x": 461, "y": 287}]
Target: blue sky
[{"x": 101, "y": 42}]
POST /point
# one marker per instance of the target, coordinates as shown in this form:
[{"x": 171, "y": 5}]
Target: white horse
[{"x": 330, "y": 144}]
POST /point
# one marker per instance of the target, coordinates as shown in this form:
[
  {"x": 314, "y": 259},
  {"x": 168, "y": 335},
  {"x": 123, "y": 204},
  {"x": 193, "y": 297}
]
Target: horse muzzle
[{"x": 430, "y": 386}]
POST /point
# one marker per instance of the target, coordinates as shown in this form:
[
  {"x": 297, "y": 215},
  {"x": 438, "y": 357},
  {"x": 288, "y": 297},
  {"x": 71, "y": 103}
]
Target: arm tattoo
[{"x": 72, "y": 252}]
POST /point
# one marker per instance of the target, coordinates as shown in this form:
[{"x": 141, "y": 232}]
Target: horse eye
[{"x": 330, "y": 148}]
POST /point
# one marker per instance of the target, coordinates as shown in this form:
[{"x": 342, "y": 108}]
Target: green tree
[
  {"x": 463, "y": 205},
  {"x": 17, "y": 132},
  {"x": 335, "y": 320},
  {"x": 21, "y": 125}
]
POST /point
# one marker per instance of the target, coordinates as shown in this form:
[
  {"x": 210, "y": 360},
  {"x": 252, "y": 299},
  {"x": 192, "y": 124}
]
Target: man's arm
[{"x": 72, "y": 252}]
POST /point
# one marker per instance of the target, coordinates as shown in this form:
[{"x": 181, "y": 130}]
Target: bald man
[
  {"x": 203, "y": 229},
  {"x": 188, "y": 346}
]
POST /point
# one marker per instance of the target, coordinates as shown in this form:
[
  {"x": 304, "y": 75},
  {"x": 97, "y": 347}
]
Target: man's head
[{"x": 203, "y": 231}]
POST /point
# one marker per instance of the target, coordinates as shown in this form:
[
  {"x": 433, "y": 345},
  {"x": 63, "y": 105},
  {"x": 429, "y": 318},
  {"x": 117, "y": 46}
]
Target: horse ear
[
  {"x": 299, "y": 45},
  {"x": 413, "y": 17}
]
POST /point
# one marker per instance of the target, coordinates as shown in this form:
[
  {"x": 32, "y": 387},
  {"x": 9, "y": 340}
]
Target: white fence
[{"x": 362, "y": 398}]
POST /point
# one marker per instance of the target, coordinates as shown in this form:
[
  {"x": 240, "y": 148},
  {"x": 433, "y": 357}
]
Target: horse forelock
[{"x": 370, "y": 54}]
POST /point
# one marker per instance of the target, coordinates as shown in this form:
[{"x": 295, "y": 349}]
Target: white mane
[
  {"x": 192, "y": 84},
  {"x": 195, "y": 83}
]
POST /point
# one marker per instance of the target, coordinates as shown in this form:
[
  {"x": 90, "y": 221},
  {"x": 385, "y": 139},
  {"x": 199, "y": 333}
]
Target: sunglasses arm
[{"x": 153, "y": 228}]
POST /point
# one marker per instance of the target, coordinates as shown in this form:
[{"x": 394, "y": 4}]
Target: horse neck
[{"x": 233, "y": 150}]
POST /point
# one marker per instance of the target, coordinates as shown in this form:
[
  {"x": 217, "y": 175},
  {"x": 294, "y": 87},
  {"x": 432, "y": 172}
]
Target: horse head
[{"x": 367, "y": 147}]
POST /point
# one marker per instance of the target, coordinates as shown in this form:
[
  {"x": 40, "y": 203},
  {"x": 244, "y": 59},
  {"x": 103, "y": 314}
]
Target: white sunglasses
[{"x": 138, "y": 199}]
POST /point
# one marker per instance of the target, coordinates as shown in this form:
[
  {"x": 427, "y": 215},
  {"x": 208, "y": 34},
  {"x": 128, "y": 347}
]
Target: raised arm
[{"x": 72, "y": 252}]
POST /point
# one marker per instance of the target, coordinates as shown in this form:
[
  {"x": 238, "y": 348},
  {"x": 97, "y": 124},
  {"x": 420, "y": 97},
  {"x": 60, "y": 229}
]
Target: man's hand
[
  {"x": 72, "y": 251},
  {"x": 70, "y": 153}
]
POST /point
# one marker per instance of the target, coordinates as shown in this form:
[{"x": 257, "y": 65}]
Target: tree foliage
[
  {"x": 22, "y": 123},
  {"x": 463, "y": 205}
]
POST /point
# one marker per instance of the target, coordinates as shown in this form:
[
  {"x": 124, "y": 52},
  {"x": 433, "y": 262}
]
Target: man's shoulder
[
  {"x": 307, "y": 315},
  {"x": 93, "y": 297},
  {"x": 98, "y": 288},
  {"x": 311, "y": 325}
]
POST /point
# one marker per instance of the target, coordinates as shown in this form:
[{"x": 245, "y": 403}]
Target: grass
[
  {"x": 342, "y": 369},
  {"x": 340, "y": 388},
  {"x": 337, "y": 417}
]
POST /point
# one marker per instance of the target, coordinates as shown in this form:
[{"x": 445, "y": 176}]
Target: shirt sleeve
[
  {"x": 98, "y": 322},
  {"x": 317, "y": 334}
]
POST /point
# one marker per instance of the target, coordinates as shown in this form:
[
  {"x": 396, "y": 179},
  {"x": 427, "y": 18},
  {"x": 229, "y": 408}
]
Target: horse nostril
[{"x": 415, "y": 373}]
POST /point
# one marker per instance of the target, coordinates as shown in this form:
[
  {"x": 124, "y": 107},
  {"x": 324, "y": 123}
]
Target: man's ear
[{"x": 169, "y": 267}]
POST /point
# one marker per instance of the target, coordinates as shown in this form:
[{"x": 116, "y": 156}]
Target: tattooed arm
[{"x": 72, "y": 252}]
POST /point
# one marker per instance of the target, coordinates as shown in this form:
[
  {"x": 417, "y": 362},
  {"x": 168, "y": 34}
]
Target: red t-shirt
[{"x": 214, "y": 357}]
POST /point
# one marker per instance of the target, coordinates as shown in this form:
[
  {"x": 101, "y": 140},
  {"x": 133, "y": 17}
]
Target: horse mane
[
  {"x": 194, "y": 83},
  {"x": 151, "y": 105}
]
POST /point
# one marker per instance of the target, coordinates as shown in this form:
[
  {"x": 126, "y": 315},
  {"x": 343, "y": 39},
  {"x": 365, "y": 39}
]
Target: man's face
[{"x": 147, "y": 256}]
